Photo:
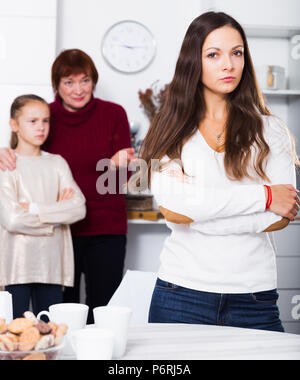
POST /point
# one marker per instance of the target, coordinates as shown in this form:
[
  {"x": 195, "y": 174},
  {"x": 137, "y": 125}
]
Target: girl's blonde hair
[{"x": 16, "y": 107}]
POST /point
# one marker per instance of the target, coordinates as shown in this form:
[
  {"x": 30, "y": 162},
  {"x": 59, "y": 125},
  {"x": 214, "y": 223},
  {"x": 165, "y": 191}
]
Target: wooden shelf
[{"x": 142, "y": 217}]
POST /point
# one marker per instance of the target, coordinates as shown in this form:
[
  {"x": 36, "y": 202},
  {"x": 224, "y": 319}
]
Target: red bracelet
[
  {"x": 268, "y": 196},
  {"x": 269, "y": 200}
]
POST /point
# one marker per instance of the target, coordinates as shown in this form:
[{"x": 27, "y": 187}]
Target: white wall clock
[{"x": 129, "y": 46}]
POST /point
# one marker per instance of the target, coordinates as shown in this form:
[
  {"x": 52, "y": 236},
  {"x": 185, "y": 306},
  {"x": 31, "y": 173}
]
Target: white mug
[
  {"x": 117, "y": 320},
  {"x": 74, "y": 315},
  {"x": 6, "y": 307},
  {"x": 93, "y": 344}
]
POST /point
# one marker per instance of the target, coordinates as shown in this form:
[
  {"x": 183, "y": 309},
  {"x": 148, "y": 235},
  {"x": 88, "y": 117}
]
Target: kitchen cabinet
[
  {"x": 288, "y": 264},
  {"x": 286, "y": 104},
  {"x": 276, "y": 45}
]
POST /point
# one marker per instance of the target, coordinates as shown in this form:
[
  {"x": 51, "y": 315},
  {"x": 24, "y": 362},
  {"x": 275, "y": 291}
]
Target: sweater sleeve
[
  {"x": 121, "y": 139},
  {"x": 121, "y": 134},
  {"x": 13, "y": 217},
  {"x": 67, "y": 211},
  {"x": 280, "y": 169},
  {"x": 201, "y": 203}
]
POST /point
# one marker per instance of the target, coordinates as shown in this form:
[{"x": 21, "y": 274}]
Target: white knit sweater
[{"x": 225, "y": 250}]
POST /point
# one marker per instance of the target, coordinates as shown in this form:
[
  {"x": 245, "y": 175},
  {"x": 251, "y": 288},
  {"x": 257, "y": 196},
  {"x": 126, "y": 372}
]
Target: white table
[{"x": 190, "y": 342}]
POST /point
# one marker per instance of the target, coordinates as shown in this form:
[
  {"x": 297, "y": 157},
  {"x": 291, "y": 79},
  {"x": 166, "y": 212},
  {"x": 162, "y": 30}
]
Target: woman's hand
[
  {"x": 66, "y": 194},
  {"x": 175, "y": 218},
  {"x": 7, "y": 159},
  {"x": 122, "y": 158},
  {"x": 25, "y": 206},
  {"x": 283, "y": 223},
  {"x": 285, "y": 201}
]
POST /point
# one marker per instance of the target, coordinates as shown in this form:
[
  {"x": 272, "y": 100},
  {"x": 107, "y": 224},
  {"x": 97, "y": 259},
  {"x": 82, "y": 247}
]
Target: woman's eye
[
  {"x": 68, "y": 83},
  {"x": 212, "y": 55},
  {"x": 238, "y": 53}
]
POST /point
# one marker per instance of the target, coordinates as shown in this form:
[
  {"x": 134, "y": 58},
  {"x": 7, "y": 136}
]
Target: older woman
[{"x": 84, "y": 130}]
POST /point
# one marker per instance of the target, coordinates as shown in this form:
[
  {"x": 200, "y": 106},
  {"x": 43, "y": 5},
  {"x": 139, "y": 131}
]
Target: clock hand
[{"x": 132, "y": 47}]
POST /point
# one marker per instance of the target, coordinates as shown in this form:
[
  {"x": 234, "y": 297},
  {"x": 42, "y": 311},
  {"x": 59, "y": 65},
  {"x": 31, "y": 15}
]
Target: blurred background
[{"x": 33, "y": 32}]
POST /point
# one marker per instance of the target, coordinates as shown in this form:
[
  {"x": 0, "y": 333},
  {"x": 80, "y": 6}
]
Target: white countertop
[{"x": 200, "y": 342}]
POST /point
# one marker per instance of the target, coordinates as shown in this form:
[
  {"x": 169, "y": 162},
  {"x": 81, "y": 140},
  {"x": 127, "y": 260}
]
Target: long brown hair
[
  {"x": 15, "y": 109},
  {"x": 184, "y": 107}
]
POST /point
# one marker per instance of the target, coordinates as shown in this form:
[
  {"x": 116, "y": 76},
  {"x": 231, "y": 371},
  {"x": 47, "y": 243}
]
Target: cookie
[
  {"x": 13, "y": 337},
  {"x": 19, "y": 325},
  {"x": 45, "y": 342},
  {"x": 37, "y": 356},
  {"x": 29, "y": 338},
  {"x": 3, "y": 326},
  {"x": 29, "y": 315},
  {"x": 30, "y": 334},
  {"x": 53, "y": 327},
  {"x": 61, "y": 331},
  {"x": 8, "y": 345},
  {"x": 43, "y": 328}
]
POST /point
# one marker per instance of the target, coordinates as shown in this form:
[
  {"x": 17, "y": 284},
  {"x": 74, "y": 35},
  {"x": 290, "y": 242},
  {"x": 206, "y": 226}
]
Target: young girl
[
  {"x": 38, "y": 202},
  {"x": 217, "y": 145}
]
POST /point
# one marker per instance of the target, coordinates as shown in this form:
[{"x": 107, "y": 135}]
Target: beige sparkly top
[{"x": 37, "y": 247}]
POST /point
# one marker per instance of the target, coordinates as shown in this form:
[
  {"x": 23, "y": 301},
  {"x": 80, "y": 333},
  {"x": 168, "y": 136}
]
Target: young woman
[
  {"x": 217, "y": 145},
  {"x": 85, "y": 130},
  {"x": 38, "y": 202}
]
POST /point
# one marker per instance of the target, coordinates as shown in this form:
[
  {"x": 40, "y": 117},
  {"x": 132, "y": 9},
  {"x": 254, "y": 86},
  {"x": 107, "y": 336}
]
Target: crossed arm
[
  {"x": 173, "y": 217},
  {"x": 16, "y": 218},
  {"x": 230, "y": 210}
]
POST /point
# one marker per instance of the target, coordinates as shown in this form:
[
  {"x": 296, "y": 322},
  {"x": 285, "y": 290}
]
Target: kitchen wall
[
  {"x": 27, "y": 49},
  {"x": 82, "y": 24},
  {"x": 261, "y": 12}
]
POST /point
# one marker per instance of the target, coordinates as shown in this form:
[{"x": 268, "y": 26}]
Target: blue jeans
[
  {"x": 175, "y": 304},
  {"x": 101, "y": 259},
  {"x": 41, "y": 296}
]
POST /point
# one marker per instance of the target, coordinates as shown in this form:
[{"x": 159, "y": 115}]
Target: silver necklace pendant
[{"x": 218, "y": 135}]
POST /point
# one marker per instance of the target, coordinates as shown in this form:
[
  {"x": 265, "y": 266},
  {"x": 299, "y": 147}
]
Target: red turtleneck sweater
[{"x": 83, "y": 138}]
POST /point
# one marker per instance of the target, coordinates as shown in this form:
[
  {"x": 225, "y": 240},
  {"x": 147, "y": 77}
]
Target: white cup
[
  {"x": 6, "y": 306},
  {"x": 93, "y": 344},
  {"x": 117, "y": 320},
  {"x": 74, "y": 315}
]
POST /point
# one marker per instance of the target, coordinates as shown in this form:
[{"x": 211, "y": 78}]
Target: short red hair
[{"x": 73, "y": 62}]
